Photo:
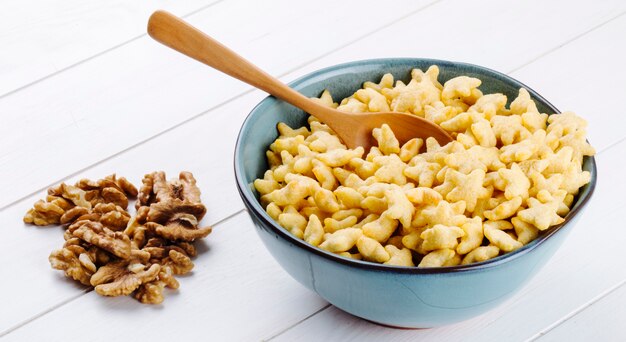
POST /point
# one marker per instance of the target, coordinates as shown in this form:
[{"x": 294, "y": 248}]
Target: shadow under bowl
[{"x": 407, "y": 297}]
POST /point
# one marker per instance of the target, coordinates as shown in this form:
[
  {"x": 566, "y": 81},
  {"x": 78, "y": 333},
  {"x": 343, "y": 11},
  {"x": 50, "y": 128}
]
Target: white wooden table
[{"x": 85, "y": 93}]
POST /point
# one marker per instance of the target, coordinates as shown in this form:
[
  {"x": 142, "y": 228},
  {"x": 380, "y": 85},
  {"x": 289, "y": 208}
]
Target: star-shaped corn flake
[
  {"x": 438, "y": 112},
  {"x": 483, "y": 133},
  {"x": 430, "y": 77},
  {"x": 579, "y": 144},
  {"x": 381, "y": 228},
  {"x": 399, "y": 256},
  {"x": 516, "y": 182},
  {"x": 461, "y": 91},
  {"x": 473, "y": 237},
  {"x": 436, "y": 153},
  {"x": 386, "y": 82},
  {"x": 423, "y": 172},
  {"x": 400, "y": 207},
  {"x": 390, "y": 169},
  {"x": 559, "y": 161},
  {"x": 534, "y": 121},
  {"x": 468, "y": 188},
  {"x": 405, "y": 98},
  {"x": 461, "y": 122},
  {"x": 410, "y": 149},
  {"x": 524, "y": 149},
  {"x": 441, "y": 236},
  {"x": 352, "y": 105},
  {"x": 541, "y": 215},
  {"x": 509, "y": 129},
  {"x": 322, "y": 141},
  {"x": 287, "y": 132},
  {"x": 489, "y": 156},
  {"x": 526, "y": 232},
  {"x": 523, "y": 103},
  {"x": 449, "y": 214},
  {"x": 467, "y": 139},
  {"x": 372, "y": 250},
  {"x": 493, "y": 231},
  {"x": 533, "y": 165},
  {"x": 566, "y": 122},
  {"x": 289, "y": 144},
  {"x": 342, "y": 240},
  {"x": 325, "y": 99},
  {"x": 464, "y": 162},
  {"x": 489, "y": 105},
  {"x": 504, "y": 210},
  {"x": 574, "y": 178},
  {"x": 481, "y": 254},
  {"x": 540, "y": 182},
  {"x": 339, "y": 157},
  {"x": 437, "y": 258},
  {"x": 423, "y": 195},
  {"x": 374, "y": 100},
  {"x": 387, "y": 142}
]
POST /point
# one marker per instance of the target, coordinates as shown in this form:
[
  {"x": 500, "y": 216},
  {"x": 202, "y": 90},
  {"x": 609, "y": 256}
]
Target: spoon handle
[{"x": 175, "y": 33}]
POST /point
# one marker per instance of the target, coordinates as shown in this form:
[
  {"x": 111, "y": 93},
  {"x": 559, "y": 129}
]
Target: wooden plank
[
  {"x": 130, "y": 94},
  {"x": 601, "y": 321},
  {"x": 581, "y": 269},
  {"x": 235, "y": 292},
  {"x": 40, "y": 38}
]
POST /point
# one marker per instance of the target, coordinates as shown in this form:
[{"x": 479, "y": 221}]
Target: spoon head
[{"x": 405, "y": 127}]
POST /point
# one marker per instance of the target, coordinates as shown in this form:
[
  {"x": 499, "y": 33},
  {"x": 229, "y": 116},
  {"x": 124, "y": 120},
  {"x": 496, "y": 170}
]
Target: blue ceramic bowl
[{"x": 396, "y": 296}]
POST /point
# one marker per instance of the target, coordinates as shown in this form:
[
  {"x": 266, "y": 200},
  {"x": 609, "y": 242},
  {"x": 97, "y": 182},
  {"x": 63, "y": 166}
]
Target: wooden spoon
[{"x": 355, "y": 129}]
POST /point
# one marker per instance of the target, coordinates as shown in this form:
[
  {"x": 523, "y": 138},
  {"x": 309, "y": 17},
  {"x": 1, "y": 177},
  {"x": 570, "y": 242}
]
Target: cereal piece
[
  {"x": 314, "y": 232},
  {"x": 341, "y": 240},
  {"x": 525, "y": 232},
  {"x": 423, "y": 195},
  {"x": 481, "y": 254},
  {"x": 287, "y": 132},
  {"x": 332, "y": 225},
  {"x": 390, "y": 169},
  {"x": 380, "y": 229},
  {"x": 440, "y": 236},
  {"x": 461, "y": 90},
  {"x": 467, "y": 188},
  {"x": 400, "y": 207},
  {"x": 464, "y": 162},
  {"x": 437, "y": 258},
  {"x": 504, "y": 210},
  {"x": 343, "y": 214},
  {"x": 293, "y": 222},
  {"x": 422, "y": 171},
  {"x": 335, "y": 158},
  {"x": 541, "y": 215},
  {"x": 326, "y": 200},
  {"x": 444, "y": 213},
  {"x": 483, "y": 133},
  {"x": 325, "y": 99},
  {"x": 524, "y": 149},
  {"x": 289, "y": 195},
  {"x": 349, "y": 197},
  {"x": 499, "y": 238},
  {"x": 374, "y": 100},
  {"x": 372, "y": 250},
  {"x": 363, "y": 168},
  {"x": 387, "y": 142},
  {"x": 399, "y": 256},
  {"x": 574, "y": 178},
  {"x": 410, "y": 149},
  {"x": 523, "y": 103},
  {"x": 516, "y": 184},
  {"x": 473, "y": 236},
  {"x": 509, "y": 129},
  {"x": 490, "y": 105},
  {"x": 439, "y": 112},
  {"x": 385, "y": 82}
]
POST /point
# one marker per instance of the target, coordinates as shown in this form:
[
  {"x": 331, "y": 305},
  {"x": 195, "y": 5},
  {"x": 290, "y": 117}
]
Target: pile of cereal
[
  {"x": 509, "y": 174},
  {"x": 118, "y": 254}
]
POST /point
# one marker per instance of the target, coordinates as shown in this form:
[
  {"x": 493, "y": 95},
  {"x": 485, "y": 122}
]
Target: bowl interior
[{"x": 259, "y": 129}]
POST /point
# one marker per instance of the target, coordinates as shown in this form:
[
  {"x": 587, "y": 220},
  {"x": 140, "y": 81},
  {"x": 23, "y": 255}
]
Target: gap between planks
[
  {"x": 194, "y": 117},
  {"x": 98, "y": 54},
  {"x": 86, "y": 291},
  {"x": 575, "y": 312}
]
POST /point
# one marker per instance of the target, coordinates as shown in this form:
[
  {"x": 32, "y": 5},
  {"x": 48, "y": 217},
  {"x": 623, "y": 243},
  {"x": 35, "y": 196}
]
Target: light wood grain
[
  {"x": 130, "y": 94},
  {"x": 233, "y": 293},
  {"x": 40, "y": 38}
]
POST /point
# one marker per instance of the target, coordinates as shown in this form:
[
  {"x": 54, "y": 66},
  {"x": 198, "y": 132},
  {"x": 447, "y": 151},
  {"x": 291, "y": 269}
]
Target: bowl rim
[{"x": 255, "y": 209}]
